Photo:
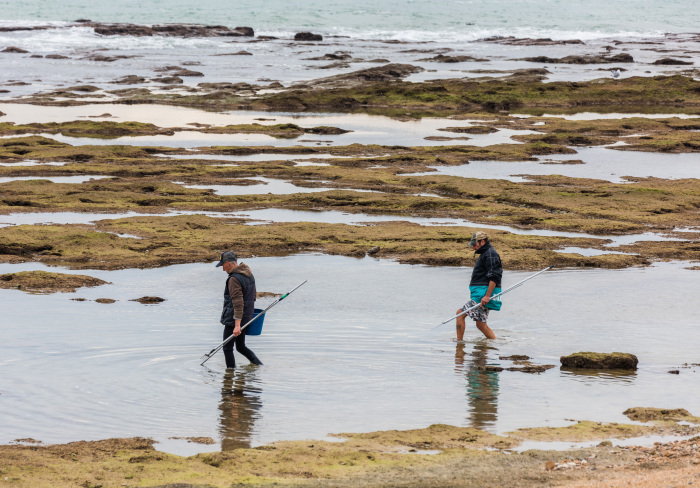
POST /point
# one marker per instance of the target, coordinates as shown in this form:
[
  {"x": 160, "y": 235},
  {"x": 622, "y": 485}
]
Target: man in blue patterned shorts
[{"x": 485, "y": 281}]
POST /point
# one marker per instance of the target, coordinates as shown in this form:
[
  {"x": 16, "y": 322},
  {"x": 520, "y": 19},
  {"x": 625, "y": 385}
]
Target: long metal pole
[
  {"x": 494, "y": 296},
  {"x": 208, "y": 356}
]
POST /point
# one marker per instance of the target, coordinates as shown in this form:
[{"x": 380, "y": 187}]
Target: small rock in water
[
  {"x": 196, "y": 440},
  {"x": 14, "y": 49},
  {"x": 373, "y": 250},
  {"x": 148, "y": 300},
  {"x": 647, "y": 414},
  {"x": 597, "y": 360},
  {"x": 307, "y": 36},
  {"x": 105, "y": 300},
  {"x": 674, "y": 371}
]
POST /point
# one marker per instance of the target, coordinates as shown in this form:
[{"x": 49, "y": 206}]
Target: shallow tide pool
[{"x": 350, "y": 351}]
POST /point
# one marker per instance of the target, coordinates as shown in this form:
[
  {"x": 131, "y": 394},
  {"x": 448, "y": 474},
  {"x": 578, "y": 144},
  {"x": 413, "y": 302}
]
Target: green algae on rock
[
  {"x": 46, "y": 282},
  {"x": 372, "y": 460},
  {"x": 436, "y": 436},
  {"x": 596, "y": 360},
  {"x": 586, "y": 430},
  {"x": 645, "y": 414}
]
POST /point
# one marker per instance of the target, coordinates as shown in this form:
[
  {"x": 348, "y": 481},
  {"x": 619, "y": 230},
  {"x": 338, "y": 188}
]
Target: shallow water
[
  {"x": 31, "y": 163},
  {"x": 600, "y": 163},
  {"x": 337, "y": 217},
  {"x": 352, "y": 349},
  {"x": 267, "y": 215},
  {"x": 54, "y": 179},
  {"x": 383, "y": 131}
]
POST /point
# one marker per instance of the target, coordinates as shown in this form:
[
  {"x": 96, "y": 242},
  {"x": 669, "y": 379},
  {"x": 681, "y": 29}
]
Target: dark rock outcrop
[
  {"x": 168, "y": 80},
  {"x": 672, "y": 62},
  {"x": 516, "y": 41},
  {"x": 331, "y": 57},
  {"x": 441, "y": 58},
  {"x": 575, "y": 59},
  {"x": 326, "y": 130},
  {"x": 307, "y": 36},
  {"x": 472, "y": 129},
  {"x": 169, "y": 30},
  {"x": 389, "y": 72},
  {"x": 130, "y": 80},
  {"x": 148, "y": 300},
  {"x": 596, "y": 360},
  {"x": 14, "y": 49}
]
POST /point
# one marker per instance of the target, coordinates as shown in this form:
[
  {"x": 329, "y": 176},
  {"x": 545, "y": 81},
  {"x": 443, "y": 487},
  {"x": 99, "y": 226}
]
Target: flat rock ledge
[
  {"x": 46, "y": 282},
  {"x": 598, "y": 360},
  {"x": 645, "y": 414}
]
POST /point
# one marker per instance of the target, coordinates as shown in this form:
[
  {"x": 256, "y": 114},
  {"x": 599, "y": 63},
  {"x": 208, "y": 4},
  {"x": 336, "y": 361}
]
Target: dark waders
[{"x": 240, "y": 347}]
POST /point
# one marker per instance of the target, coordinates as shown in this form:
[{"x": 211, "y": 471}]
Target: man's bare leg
[
  {"x": 461, "y": 325},
  {"x": 485, "y": 329}
]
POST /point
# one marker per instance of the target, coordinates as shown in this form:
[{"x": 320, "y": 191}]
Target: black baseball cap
[{"x": 227, "y": 256}]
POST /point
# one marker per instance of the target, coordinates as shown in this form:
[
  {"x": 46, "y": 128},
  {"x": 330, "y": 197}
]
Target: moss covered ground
[
  {"x": 436, "y": 456},
  {"x": 394, "y": 180}
]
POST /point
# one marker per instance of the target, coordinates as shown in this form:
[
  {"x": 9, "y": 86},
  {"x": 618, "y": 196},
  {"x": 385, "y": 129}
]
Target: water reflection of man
[
  {"x": 482, "y": 385},
  {"x": 239, "y": 409}
]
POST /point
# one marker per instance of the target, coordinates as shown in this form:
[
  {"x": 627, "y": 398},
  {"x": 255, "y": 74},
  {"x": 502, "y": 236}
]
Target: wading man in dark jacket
[
  {"x": 239, "y": 304},
  {"x": 485, "y": 281}
]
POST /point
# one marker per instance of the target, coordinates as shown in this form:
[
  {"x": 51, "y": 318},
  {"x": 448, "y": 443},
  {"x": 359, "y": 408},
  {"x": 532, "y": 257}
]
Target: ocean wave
[
  {"x": 77, "y": 39},
  {"x": 469, "y": 34},
  {"x": 67, "y": 35}
]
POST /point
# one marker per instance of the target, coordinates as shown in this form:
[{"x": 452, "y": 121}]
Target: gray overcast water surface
[{"x": 350, "y": 351}]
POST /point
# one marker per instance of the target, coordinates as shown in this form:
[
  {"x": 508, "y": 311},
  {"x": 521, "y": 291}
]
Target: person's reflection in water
[
  {"x": 240, "y": 405},
  {"x": 482, "y": 386}
]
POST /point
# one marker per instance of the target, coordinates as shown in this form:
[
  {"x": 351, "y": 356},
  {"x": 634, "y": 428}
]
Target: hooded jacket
[{"x": 239, "y": 296}]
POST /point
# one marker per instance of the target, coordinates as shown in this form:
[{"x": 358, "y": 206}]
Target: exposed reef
[
  {"x": 439, "y": 455},
  {"x": 46, "y": 282}
]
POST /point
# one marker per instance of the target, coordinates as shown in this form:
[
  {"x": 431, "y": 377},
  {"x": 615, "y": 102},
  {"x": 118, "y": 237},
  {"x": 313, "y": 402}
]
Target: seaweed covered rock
[
  {"x": 671, "y": 62},
  {"x": 148, "y": 300},
  {"x": 644, "y": 414},
  {"x": 46, "y": 282},
  {"x": 597, "y": 360}
]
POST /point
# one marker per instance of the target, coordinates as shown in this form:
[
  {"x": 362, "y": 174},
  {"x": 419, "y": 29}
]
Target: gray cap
[
  {"x": 227, "y": 256},
  {"x": 478, "y": 236}
]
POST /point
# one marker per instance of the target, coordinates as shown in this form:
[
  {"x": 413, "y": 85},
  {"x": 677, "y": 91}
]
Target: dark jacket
[
  {"x": 487, "y": 268},
  {"x": 239, "y": 296}
]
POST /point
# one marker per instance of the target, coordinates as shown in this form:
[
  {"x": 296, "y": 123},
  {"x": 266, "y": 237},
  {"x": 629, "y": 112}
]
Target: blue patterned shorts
[{"x": 479, "y": 313}]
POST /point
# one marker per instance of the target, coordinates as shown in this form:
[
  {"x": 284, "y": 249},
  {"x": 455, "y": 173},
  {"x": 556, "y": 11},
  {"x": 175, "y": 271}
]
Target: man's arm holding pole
[{"x": 487, "y": 298}]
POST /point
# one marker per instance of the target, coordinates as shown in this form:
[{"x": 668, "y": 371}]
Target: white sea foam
[{"x": 78, "y": 39}]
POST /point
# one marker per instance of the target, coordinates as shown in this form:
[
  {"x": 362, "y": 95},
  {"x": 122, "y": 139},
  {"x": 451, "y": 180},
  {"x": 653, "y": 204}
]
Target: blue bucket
[{"x": 256, "y": 327}]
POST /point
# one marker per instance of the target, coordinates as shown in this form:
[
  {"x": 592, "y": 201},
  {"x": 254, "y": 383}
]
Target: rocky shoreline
[
  {"x": 439, "y": 455},
  {"x": 478, "y": 92}
]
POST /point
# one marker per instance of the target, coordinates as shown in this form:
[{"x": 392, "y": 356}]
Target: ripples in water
[{"x": 351, "y": 351}]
